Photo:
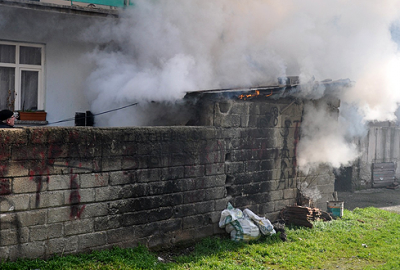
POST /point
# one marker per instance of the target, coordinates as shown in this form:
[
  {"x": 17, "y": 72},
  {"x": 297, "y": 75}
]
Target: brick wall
[{"x": 69, "y": 190}]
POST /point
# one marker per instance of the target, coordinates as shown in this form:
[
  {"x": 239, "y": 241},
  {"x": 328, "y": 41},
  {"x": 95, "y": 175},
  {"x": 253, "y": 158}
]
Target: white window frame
[{"x": 24, "y": 67}]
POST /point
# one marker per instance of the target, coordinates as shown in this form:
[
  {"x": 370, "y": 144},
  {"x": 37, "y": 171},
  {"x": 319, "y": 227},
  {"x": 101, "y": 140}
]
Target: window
[{"x": 21, "y": 76}]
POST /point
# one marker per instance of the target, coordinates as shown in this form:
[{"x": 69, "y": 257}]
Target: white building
[{"x": 43, "y": 56}]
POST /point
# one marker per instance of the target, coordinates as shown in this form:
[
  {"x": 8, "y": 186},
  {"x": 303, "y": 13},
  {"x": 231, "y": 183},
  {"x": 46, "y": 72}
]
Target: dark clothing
[
  {"x": 4, "y": 125},
  {"x": 5, "y": 114}
]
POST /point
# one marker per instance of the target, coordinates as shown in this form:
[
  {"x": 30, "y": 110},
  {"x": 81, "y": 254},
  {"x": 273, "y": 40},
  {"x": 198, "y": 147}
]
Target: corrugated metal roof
[{"x": 272, "y": 91}]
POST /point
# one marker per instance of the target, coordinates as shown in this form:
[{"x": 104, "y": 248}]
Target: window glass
[
  {"x": 7, "y": 53},
  {"x": 30, "y": 55},
  {"x": 29, "y": 89},
  {"x": 7, "y": 82}
]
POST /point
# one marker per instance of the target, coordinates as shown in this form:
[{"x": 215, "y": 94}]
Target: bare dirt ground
[{"x": 388, "y": 199}]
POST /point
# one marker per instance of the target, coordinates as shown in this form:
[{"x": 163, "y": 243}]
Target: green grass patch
[{"x": 367, "y": 238}]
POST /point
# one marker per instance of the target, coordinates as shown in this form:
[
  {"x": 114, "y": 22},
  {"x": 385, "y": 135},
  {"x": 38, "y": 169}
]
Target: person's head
[{"x": 7, "y": 116}]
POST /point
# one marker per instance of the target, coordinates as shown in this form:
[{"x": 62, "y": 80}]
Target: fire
[{"x": 256, "y": 94}]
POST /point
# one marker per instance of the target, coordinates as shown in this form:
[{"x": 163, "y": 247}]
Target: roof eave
[{"x": 76, "y": 10}]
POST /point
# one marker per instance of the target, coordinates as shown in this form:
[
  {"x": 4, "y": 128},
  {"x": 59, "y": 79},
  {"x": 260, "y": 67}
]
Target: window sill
[{"x": 24, "y": 123}]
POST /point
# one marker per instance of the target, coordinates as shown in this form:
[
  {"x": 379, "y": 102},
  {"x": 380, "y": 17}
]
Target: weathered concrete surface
[{"x": 383, "y": 198}]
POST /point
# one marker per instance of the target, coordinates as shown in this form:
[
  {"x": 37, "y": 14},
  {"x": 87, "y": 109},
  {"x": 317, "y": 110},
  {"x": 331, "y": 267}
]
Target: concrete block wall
[{"x": 71, "y": 190}]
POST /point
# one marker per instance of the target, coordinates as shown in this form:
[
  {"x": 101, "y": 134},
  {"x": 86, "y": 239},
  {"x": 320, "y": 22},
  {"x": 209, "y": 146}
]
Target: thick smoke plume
[{"x": 158, "y": 50}]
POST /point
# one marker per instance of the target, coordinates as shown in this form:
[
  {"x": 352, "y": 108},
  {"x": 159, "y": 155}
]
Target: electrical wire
[{"x": 113, "y": 110}]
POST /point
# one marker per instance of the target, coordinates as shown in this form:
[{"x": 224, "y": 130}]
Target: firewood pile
[{"x": 303, "y": 216}]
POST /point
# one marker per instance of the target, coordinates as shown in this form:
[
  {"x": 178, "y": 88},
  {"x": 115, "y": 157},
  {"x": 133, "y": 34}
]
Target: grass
[{"x": 367, "y": 238}]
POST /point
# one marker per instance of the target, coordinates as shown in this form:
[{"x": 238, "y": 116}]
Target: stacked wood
[{"x": 303, "y": 216}]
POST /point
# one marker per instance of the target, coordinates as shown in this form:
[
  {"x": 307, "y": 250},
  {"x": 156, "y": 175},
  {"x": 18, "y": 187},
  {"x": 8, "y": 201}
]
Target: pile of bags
[{"x": 244, "y": 226}]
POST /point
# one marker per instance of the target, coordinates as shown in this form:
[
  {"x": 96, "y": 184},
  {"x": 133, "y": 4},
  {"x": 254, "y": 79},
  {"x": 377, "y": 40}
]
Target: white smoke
[
  {"x": 324, "y": 139},
  {"x": 168, "y": 47}
]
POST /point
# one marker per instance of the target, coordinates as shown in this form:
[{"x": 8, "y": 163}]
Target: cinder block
[
  {"x": 38, "y": 136},
  {"x": 194, "y": 196},
  {"x": 240, "y": 155},
  {"x": 32, "y": 217},
  {"x": 194, "y": 209},
  {"x": 60, "y": 166},
  {"x": 58, "y": 135},
  {"x": 57, "y": 182},
  {"x": 280, "y": 204},
  {"x": 9, "y": 221},
  {"x": 17, "y": 168},
  {"x": 27, "y": 185},
  {"x": 251, "y": 189},
  {"x": 86, "y": 241},
  {"x": 158, "y": 240},
  {"x": 234, "y": 167},
  {"x": 120, "y": 178},
  {"x": 79, "y": 226},
  {"x": 221, "y": 204},
  {"x": 58, "y": 214},
  {"x": 5, "y": 152},
  {"x": 164, "y": 187},
  {"x": 94, "y": 180},
  {"x": 143, "y": 217},
  {"x": 31, "y": 250},
  {"x": 108, "y": 193},
  {"x": 134, "y": 191},
  {"x": 194, "y": 171},
  {"x": 14, "y": 236},
  {"x": 107, "y": 222},
  {"x": 275, "y": 195},
  {"x": 43, "y": 232},
  {"x": 260, "y": 198},
  {"x": 213, "y": 169},
  {"x": 61, "y": 245},
  {"x": 86, "y": 195},
  {"x": 47, "y": 199},
  {"x": 82, "y": 166},
  {"x": 266, "y": 208},
  {"x": 215, "y": 193},
  {"x": 171, "y": 173},
  {"x": 15, "y": 202},
  {"x": 95, "y": 210},
  {"x": 196, "y": 221},
  {"x": 149, "y": 175},
  {"x": 29, "y": 152},
  {"x": 290, "y": 193},
  {"x": 208, "y": 181},
  {"x": 167, "y": 227},
  {"x": 228, "y": 121},
  {"x": 266, "y": 186},
  {"x": 115, "y": 164},
  {"x": 252, "y": 165},
  {"x": 120, "y": 234},
  {"x": 268, "y": 165}
]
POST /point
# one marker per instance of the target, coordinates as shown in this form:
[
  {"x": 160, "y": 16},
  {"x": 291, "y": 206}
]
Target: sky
[{"x": 159, "y": 50}]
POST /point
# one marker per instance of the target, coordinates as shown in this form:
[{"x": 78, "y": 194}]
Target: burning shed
[{"x": 273, "y": 115}]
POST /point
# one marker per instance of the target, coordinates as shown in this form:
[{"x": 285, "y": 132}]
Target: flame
[{"x": 250, "y": 96}]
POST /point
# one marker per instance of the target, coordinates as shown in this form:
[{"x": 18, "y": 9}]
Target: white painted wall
[{"x": 66, "y": 66}]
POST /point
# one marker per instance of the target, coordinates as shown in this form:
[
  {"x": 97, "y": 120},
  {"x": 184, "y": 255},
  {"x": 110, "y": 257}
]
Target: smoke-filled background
[{"x": 158, "y": 50}]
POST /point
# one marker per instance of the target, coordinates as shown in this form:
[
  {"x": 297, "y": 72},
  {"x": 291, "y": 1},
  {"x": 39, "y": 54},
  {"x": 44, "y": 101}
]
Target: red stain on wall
[{"x": 5, "y": 188}]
